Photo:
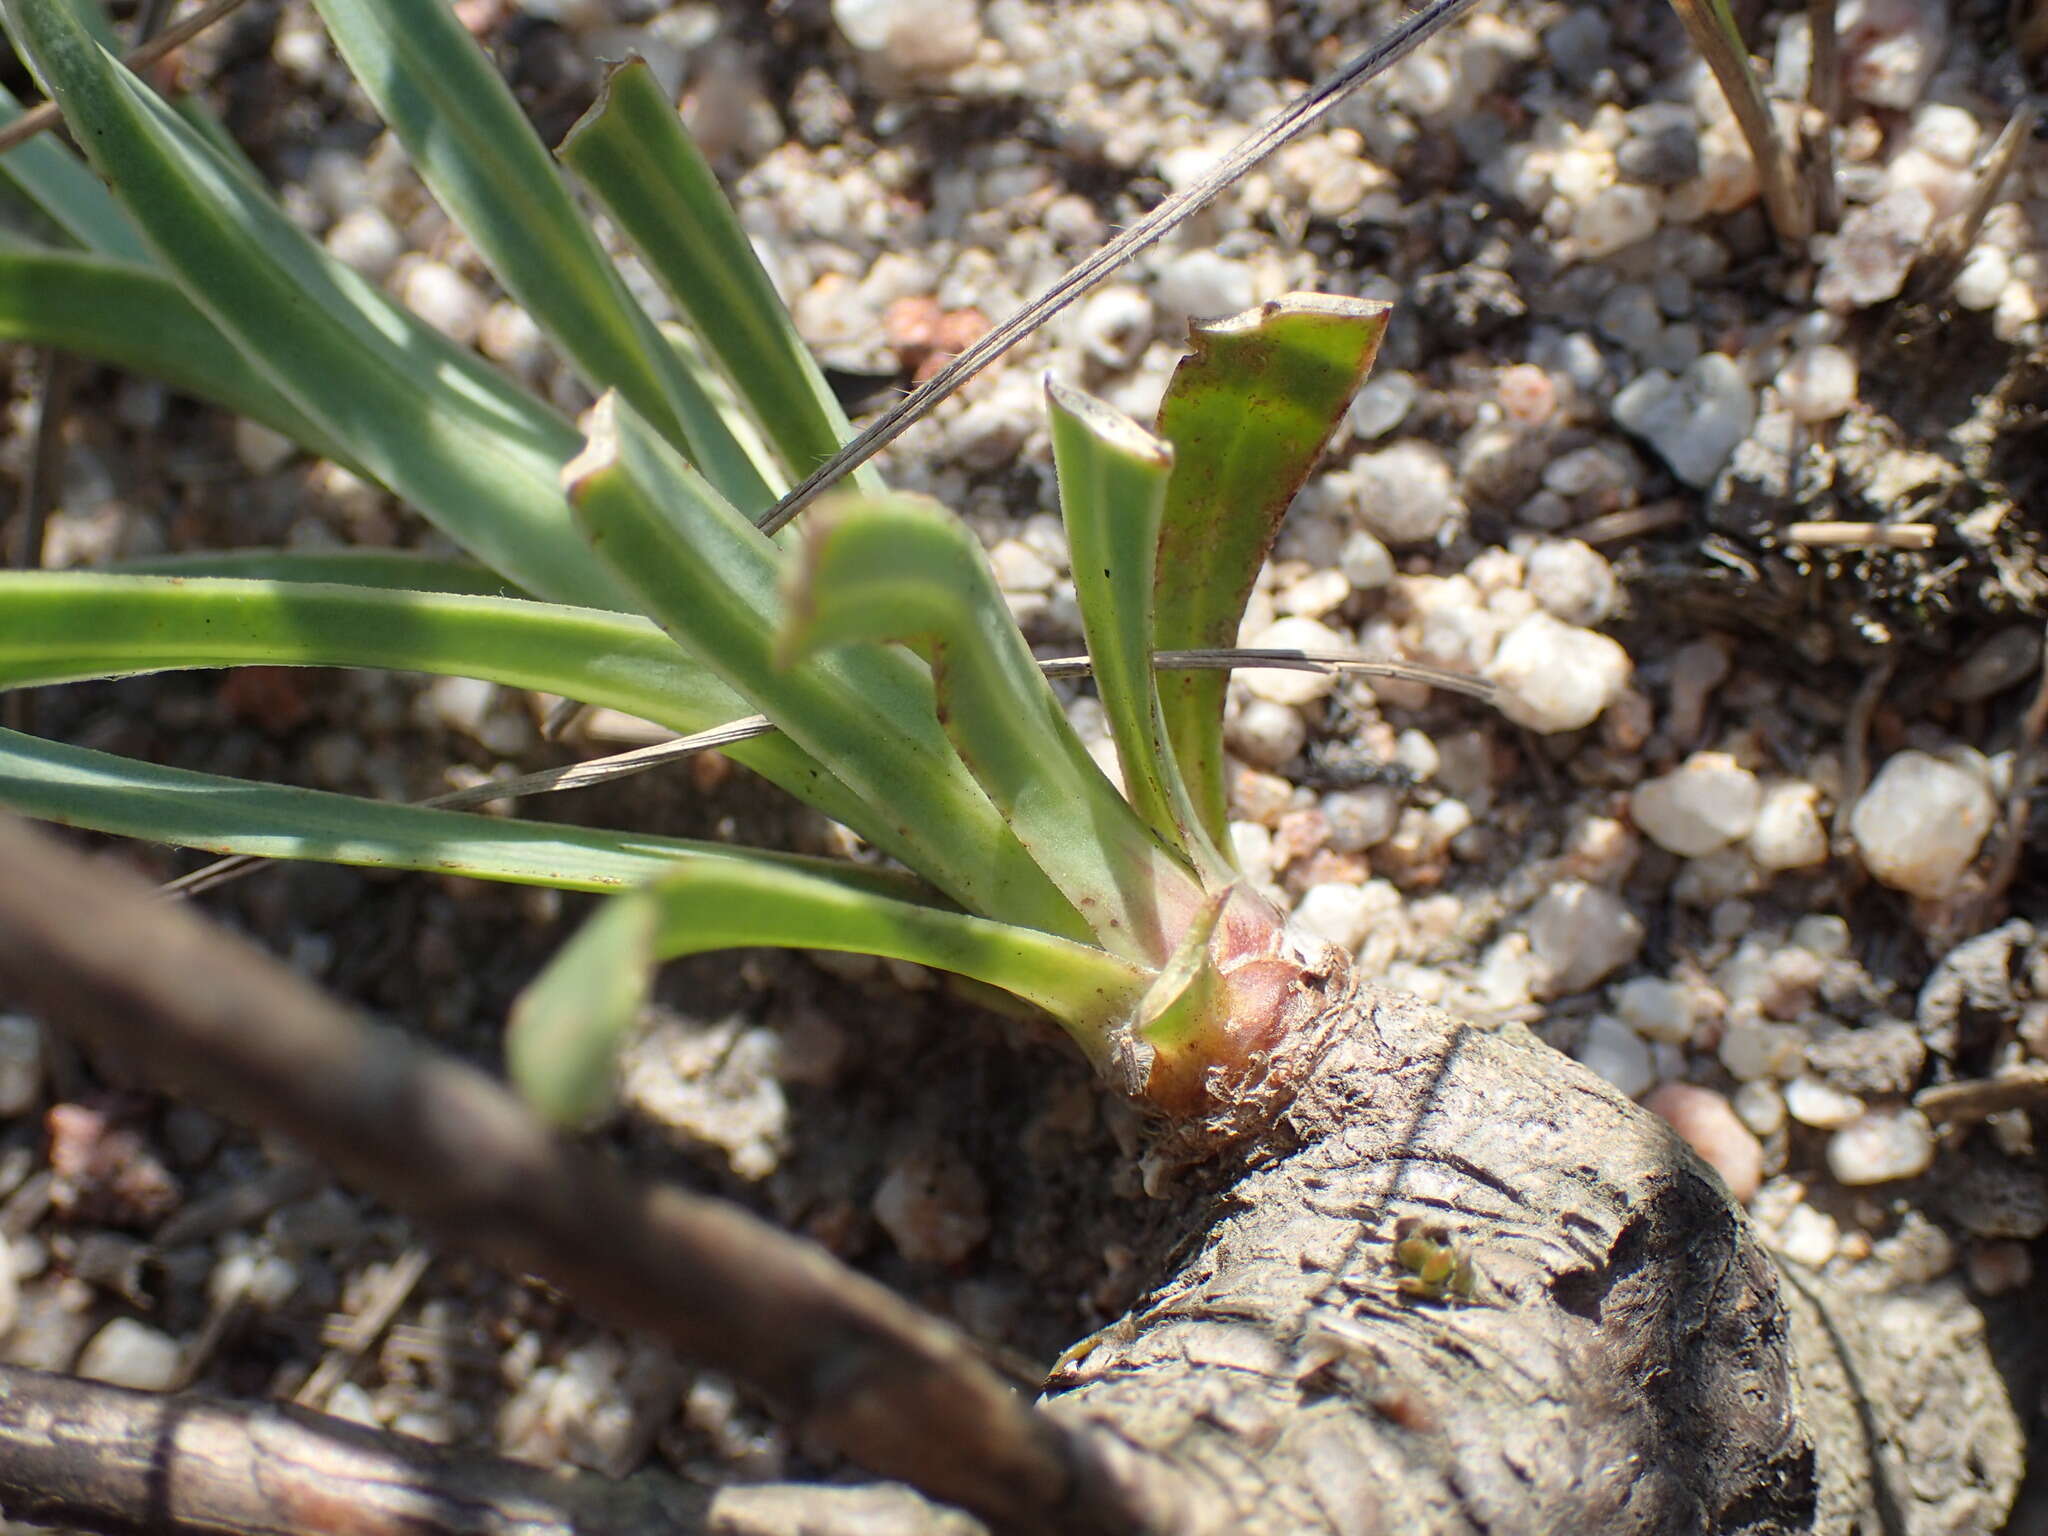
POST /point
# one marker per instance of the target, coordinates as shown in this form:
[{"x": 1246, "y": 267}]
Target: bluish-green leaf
[
  {"x": 1112, "y": 477},
  {"x": 567, "y": 1027},
  {"x": 710, "y": 577},
  {"x": 419, "y": 414},
  {"x": 902, "y": 568},
  {"x": 1247, "y": 413},
  {"x": 474, "y": 147},
  {"x": 632, "y": 148}
]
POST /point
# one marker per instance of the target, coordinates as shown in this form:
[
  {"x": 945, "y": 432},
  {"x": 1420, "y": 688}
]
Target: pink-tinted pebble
[
  {"x": 1709, "y": 1124},
  {"x": 1526, "y": 393}
]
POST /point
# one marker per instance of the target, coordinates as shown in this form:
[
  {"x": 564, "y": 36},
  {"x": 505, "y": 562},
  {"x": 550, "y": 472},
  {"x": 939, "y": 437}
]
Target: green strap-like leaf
[
  {"x": 474, "y": 147},
  {"x": 709, "y": 577},
  {"x": 124, "y": 313},
  {"x": 67, "y": 194},
  {"x": 419, "y": 414},
  {"x": 568, "y": 1025},
  {"x": 77, "y": 787},
  {"x": 632, "y": 148},
  {"x": 1247, "y": 413},
  {"x": 1112, "y": 477},
  {"x": 903, "y": 568},
  {"x": 400, "y": 569},
  {"x": 58, "y": 627}
]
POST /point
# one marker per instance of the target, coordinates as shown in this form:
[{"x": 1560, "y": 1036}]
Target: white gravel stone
[
  {"x": 1807, "y": 1236},
  {"x": 1267, "y": 734},
  {"x": 1206, "y": 286},
  {"x": 1751, "y": 1049},
  {"x": 1615, "y": 218},
  {"x": 1655, "y": 1008},
  {"x": 1891, "y": 48},
  {"x": 1365, "y": 562},
  {"x": 1868, "y": 261},
  {"x": 1406, "y": 493},
  {"x": 1582, "y": 933},
  {"x": 1251, "y": 848},
  {"x": 1020, "y": 568},
  {"x": 261, "y": 450},
  {"x": 1885, "y": 1143},
  {"x": 1823, "y": 934},
  {"x": 1820, "y": 1104},
  {"x": 917, "y": 37},
  {"x": 1694, "y": 420},
  {"x": 1284, "y": 687},
  {"x": 126, "y": 1353},
  {"x": 1986, "y": 272},
  {"x": 1314, "y": 595},
  {"x": 1761, "y": 1106},
  {"x": 1710, "y": 802},
  {"x": 1115, "y": 324},
  {"x": 1921, "y": 822},
  {"x": 933, "y": 1207},
  {"x": 1383, "y": 404},
  {"x": 1573, "y": 581},
  {"x": 1818, "y": 383},
  {"x": 1788, "y": 833},
  {"x": 1555, "y": 676},
  {"x": 444, "y": 298},
  {"x": 1618, "y": 1054},
  {"x": 21, "y": 1067},
  {"x": 1360, "y": 818},
  {"x": 367, "y": 241},
  {"x": 1338, "y": 911}
]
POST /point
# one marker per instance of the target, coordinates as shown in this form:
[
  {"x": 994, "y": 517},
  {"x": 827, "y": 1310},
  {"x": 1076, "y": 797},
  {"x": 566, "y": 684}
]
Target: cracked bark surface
[{"x": 1632, "y": 1360}]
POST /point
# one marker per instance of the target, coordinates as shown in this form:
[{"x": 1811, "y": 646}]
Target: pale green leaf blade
[
  {"x": 1247, "y": 413},
  {"x": 473, "y": 146},
  {"x": 401, "y": 569},
  {"x": 567, "y": 1027},
  {"x": 418, "y": 413},
  {"x": 57, "y": 182},
  {"x": 1112, "y": 478},
  {"x": 633, "y": 151},
  {"x": 902, "y": 568},
  {"x": 58, "y": 627},
  {"x": 78, "y": 787},
  {"x": 709, "y": 577},
  {"x": 123, "y": 313}
]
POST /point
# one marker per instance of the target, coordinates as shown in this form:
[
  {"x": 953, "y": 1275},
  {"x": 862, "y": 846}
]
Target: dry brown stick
[
  {"x": 841, "y": 1356},
  {"x": 1942, "y": 257},
  {"x": 1979, "y": 1098},
  {"x": 1786, "y": 195},
  {"x": 1824, "y": 96},
  {"x": 45, "y": 116},
  {"x": 92, "y": 1457}
]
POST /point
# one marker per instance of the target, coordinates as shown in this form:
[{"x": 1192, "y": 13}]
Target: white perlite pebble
[
  {"x": 1338, "y": 911},
  {"x": 1820, "y": 1105},
  {"x": 261, "y": 449},
  {"x": 1890, "y": 1142},
  {"x": 1891, "y": 48},
  {"x": 1807, "y": 1236},
  {"x": 1655, "y": 1008},
  {"x": 918, "y": 37},
  {"x": 1406, "y": 493},
  {"x": 1921, "y": 822},
  {"x": 1206, "y": 286},
  {"x": 1382, "y": 405},
  {"x": 1283, "y": 687},
  {"x": 1710, "y": 802},
  {"x": 1788, "y": 833},
  {"x": 1554, "y": 676},
  {"x": 1695, "y": 420},
  {"x": 1615, "y": 218},
  {"x": 1582, "y": 934},
  {"x": 126, "y": 1353},
  {"x": 1761, "y": 1107},
  {"x": 1115, "y": 324},
  {"x": 1618, "y": 1054},
  {"x": 1818, "y": 383},
  {"x": 1365, "y": 562},
  {"x": 1751, "y": 1050},
  {"x": 1868, "y": 261},
  {"x": 1266, "y": 734},
  {"x": 21, "y": 1067},
  {"x": 1573, "y": 581},
  {"x": 444, "y": 298}
]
